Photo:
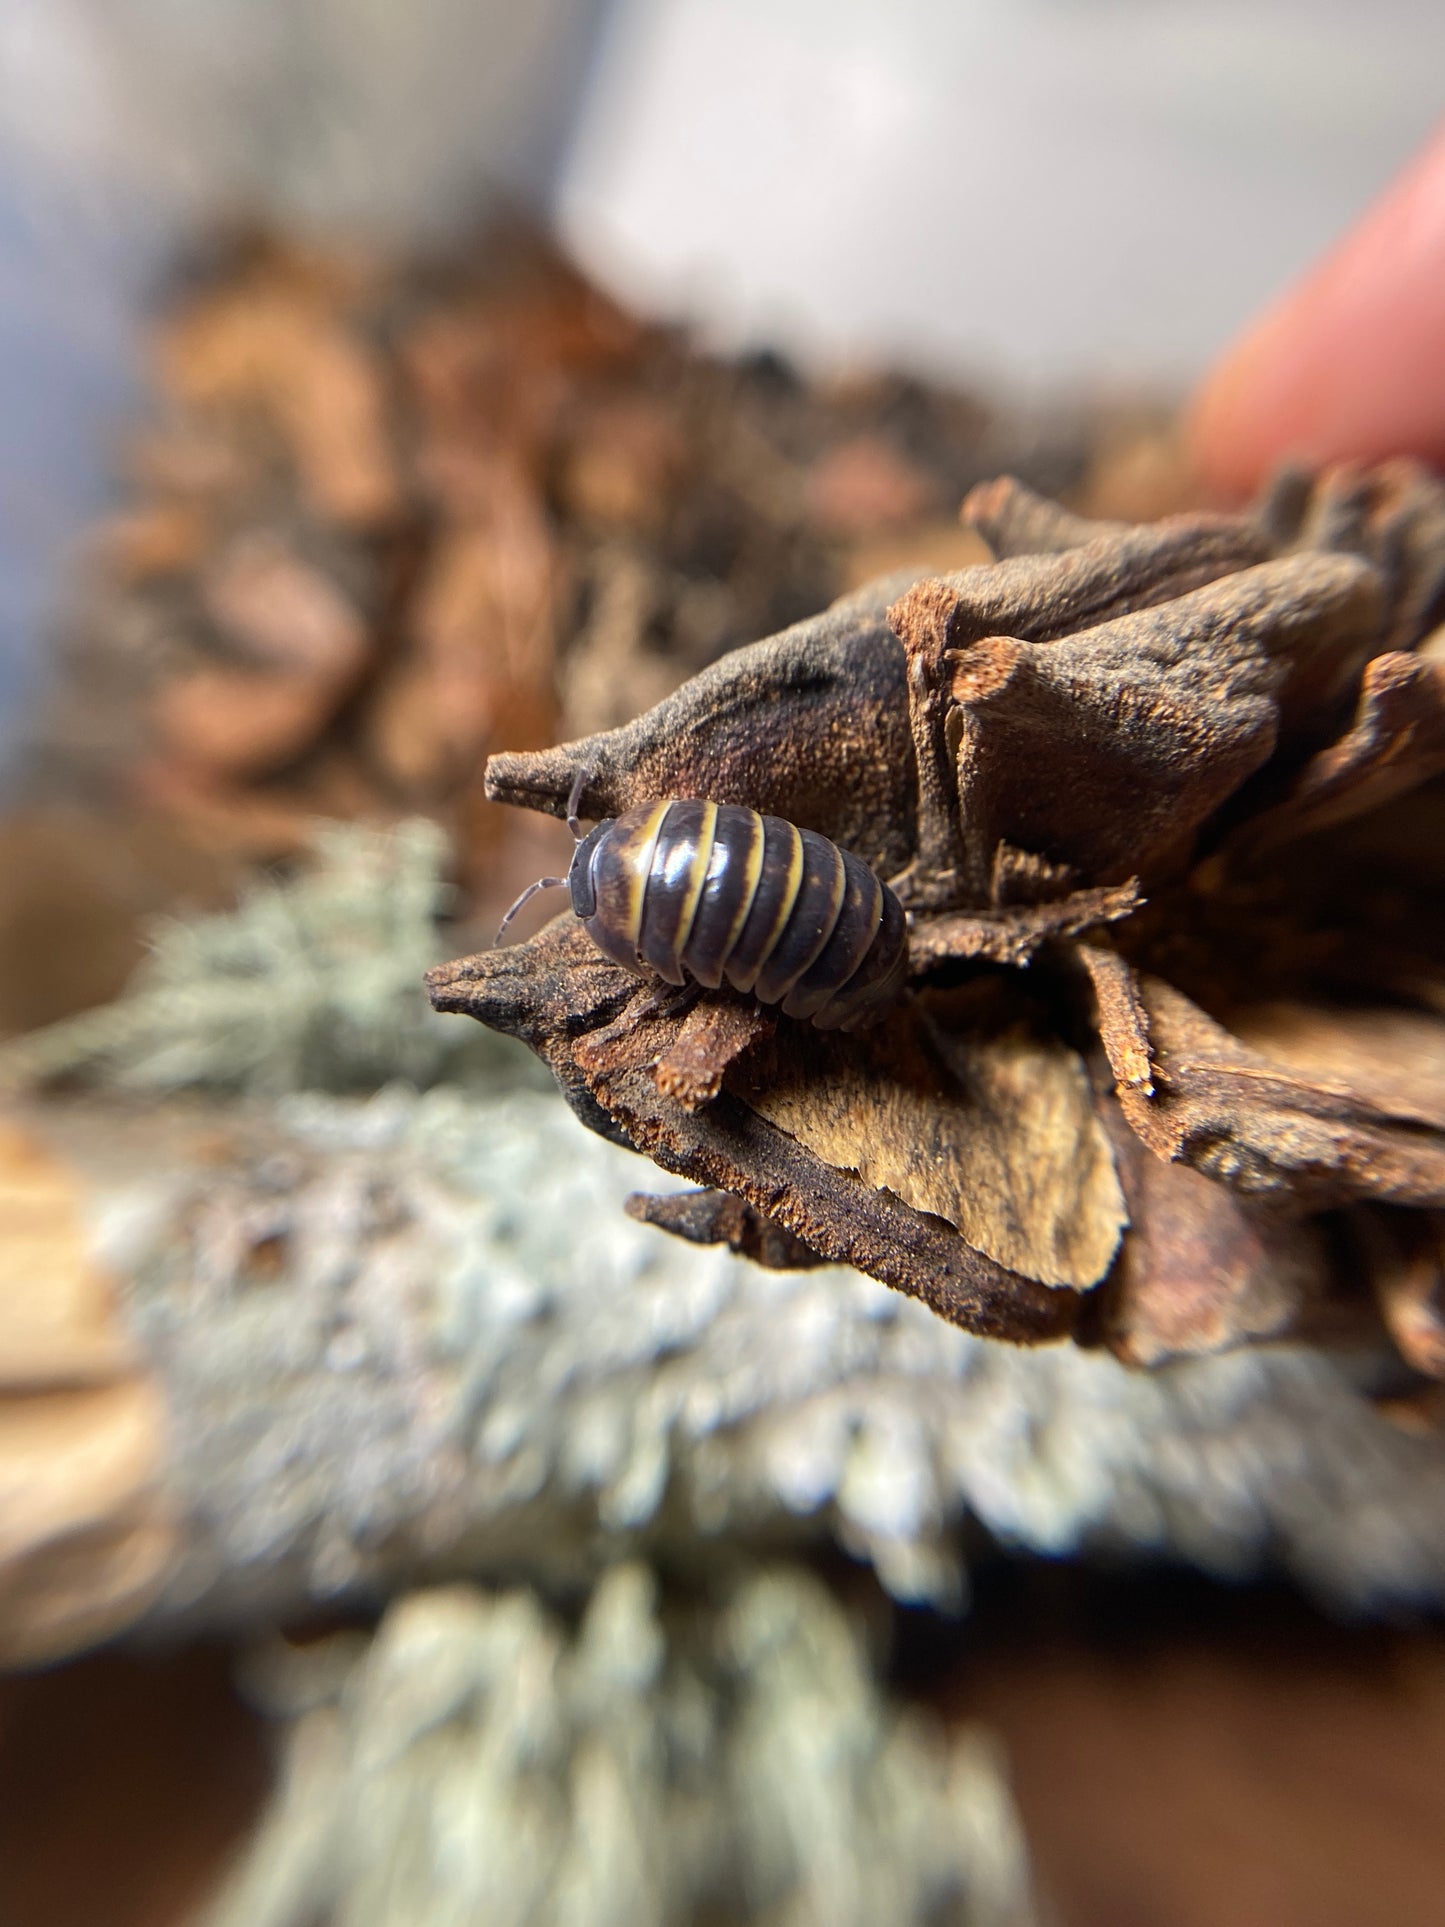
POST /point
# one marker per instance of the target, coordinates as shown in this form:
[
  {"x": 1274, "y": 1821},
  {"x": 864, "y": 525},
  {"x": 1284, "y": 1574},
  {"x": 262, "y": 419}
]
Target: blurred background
[
  {"x": 385, "y": 385},
  {"x": 1055, "y": 196}
]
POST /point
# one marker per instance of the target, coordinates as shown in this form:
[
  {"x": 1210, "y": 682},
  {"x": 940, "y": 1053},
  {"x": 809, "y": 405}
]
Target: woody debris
[{"x": 1164, "y": 805}]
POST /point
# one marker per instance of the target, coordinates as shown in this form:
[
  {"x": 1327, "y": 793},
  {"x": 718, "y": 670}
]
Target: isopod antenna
[
  {"x": 542, "y": 883},
  {"x": 574, "y": 797}
]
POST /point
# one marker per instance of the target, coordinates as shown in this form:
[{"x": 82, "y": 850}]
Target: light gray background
[
  {"x": 1048, "y": 190},
  {"x": 1044, "y": 193}
]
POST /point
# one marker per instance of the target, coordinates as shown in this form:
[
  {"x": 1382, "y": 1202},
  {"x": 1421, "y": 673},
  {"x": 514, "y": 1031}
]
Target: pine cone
[{"x": 1163, "y": 804}]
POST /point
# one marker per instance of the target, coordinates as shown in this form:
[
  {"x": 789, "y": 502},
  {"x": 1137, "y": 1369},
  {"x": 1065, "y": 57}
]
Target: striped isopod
[{"x": 684, "y": 889}]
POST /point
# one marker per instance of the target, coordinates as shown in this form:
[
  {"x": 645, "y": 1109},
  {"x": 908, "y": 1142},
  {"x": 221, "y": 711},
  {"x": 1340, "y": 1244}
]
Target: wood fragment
[
  {"x": 1160, "y": 689},
  {"x": 966, "y": 1117},
  {"x": 558, "y": 995},
  {"x": 1035, "y": 598},
  {"x": 1013, "y": 520},
  {"x": 1014, "y": 935},
  {"x": 1251, "y": 1122},
  {"x": 628, "y": 458},
  {"x": 711, "y": 1038},
  {"x": 810, "y": 725},
  {"x": 1390, "y": 1058},
  {"x": 718, "y": 1218},
  {"x": 1396, "y": 743},
  {"x": 284, "y": 613},
  {"x": 277, "y": 347},
  {"x": 1393, "y": 514},
  {"x": 1204, "y": 1270},
  {"x": 234, "y": 723},
  {"x": 145, "y": 544},
  {"x": 1121, "y": 1017},
  {"x": 482, "y": 640},
  {"x": 863, "y": 485}
]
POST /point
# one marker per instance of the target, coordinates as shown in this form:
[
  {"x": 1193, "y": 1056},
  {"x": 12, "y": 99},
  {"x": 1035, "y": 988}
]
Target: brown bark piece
[
  {"x": 1203, "y": 1270},
  {"x": 144, "y": 544},
  {"x": 57, "y": 1321},
  {"x": 811, "y": 725},
  {"x": 1040, "y": 598},
  {"x": 986, "y": 1127},
  {"x": 77, "y": 890},
  {"x": 711, "y": 1037},
  {"x": 1033, "y": 598},
  {"x": 558, "y": 995},
  {"x": 1109, "y": 749},
  {"x": 613, "y": 672},
  {"x": 862, "y": 485},
  {"x": 1410, "y": 549},
  {"x": 1016, "y": 934},
  {"x": 1013, "y": 520},
  {"x": 1392, "y": 514},
  {"x": 332, "y": 410},
  {"x": 1390, "y": 1058},
  {"x": 225, "y": 818},
  {"x": 1122, "y": 1019},
  {"x": 718, "y": 1218},
  {"x": 626, "y": 462},
  {"x": 1396, "y": 743},
  {"x": 230, "y": 723},
  {"x": 84, "y": 1539},
  {"x": 310, "y": 646},
  {"x": 1252, "y": 1122},
  {"x": 482, "y": 648},
  {"x": 1043, "y": 764},
  {"x": 278, "y": 348}
]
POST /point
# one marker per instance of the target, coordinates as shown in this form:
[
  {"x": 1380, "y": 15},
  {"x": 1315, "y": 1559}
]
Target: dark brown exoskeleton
[{"x": 690, "y": 890}]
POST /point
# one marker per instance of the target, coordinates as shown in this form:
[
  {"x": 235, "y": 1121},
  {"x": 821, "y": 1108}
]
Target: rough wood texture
[
  {"x": 602, "y": 1034},
  {"x": 1154, "y": 729},
  {"x": 719, "y": 1218},
  {"x": 811, "y": 725},
  {"x": 987, "y": 1127}
]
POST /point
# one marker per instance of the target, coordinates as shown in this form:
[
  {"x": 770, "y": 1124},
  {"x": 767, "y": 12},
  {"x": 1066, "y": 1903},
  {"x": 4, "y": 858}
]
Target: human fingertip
[{"x": 1350, "y": 362}]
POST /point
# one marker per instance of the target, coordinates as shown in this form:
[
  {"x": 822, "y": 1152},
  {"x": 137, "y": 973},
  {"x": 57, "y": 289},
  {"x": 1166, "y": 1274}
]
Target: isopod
[{"x": 686, "y": 889}]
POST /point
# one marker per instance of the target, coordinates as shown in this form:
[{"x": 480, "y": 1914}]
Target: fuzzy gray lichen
[
  {"x": 730, "y": 1762},
  {"x": 313, "y": 982},
  {"x": 412, "y": 1335},
  {"x": 415, "y": 1333}
]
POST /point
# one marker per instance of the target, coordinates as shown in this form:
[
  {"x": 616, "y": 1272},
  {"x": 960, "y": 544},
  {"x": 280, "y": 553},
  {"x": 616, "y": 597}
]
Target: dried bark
[
  {"x": 811, "y": 725},
  {"x": 1204, "y": 1269},
  {"x": 1082, "y": 759},
  {"x": 603, "y": 1035},
  {"x": 719, "y": 1218}
]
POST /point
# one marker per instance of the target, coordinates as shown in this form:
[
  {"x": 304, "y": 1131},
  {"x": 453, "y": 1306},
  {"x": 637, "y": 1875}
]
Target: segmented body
[{"x": 714, "y": 892}]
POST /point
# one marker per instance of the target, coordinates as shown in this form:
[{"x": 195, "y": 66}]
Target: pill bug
[{"x": 684, "y": 889}]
